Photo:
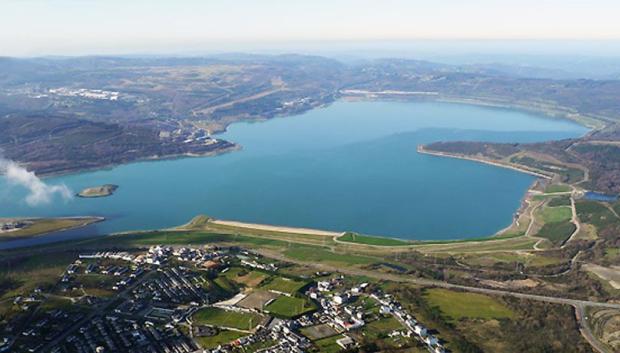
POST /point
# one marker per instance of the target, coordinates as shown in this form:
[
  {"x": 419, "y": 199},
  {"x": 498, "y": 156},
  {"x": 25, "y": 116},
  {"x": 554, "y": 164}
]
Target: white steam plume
[{"x": 39, "y": 192}]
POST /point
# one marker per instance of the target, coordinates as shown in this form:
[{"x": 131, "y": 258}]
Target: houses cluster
[
  {"x": 117, "y": 334},
  {"x": 161, "y": 291},
  {"x": 113, "y": 255},
  {"x": 12, "y": 226},
  {"x": 127, "y": 274},
  {"x": 343, "y": 313},
  {"x": 414, "y": 328},
  {"x": 209, "y": 258},
  {"x": 175, "y": 285},
  {"x": 279, "y": 331},
  {"x": 254, "y": 264},
  {"x": 5, "y": 344},
  {"x": 335, "y": 305},
  {"x": 157, "y": 255},
  {"x": 44, "y": 327},
  {"x": 85, "y": 93},
  {"x": 287, "y": 340}
]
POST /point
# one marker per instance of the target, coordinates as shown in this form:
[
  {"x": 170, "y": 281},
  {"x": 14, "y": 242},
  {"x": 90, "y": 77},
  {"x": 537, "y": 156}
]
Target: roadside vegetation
[
  {"x": 369, "y": 240},
  {"x": 554, "y": 188},
  {"x": 506, "y": 325},
  {"x": 557, "y": 232},
  {"x": 558, "y": 201}
]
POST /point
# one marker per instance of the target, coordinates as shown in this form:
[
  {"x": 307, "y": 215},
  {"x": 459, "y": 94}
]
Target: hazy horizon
[{"x": 114, "y": 27}]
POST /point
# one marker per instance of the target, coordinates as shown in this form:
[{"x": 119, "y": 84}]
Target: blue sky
[{"x": 35, "y": 27}]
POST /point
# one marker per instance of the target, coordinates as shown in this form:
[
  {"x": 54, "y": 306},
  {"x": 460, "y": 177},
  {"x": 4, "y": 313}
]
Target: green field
[
  {"x": 226, "y": 318},
  {"x": 459, "y": 305},
  {"x": 316, "y": 254},
  {"x": 290, "y": 307},
  {"x": 612, "y": 253},
  {"x": 556, "y": 201},
  {"x": 45, "y": 225},
  {"x": 557, "y": 232},
  {"x": 183, "y": 238},
  {"x": 510, "y": 258},
  {"x": 32, "y": 272},
  {"x": 329, "y": 345},
  {"x": 369, "y": 240},
  {"x": 381, "y": 327},
  {"x": 555, "y": 214},
  {"x": 222, "y": 337},
  {"x": 557, "y": 188},
  {"x": 248, "y": 278},
  {"x": 284, "y": 285},
  {"x": 595, "y": 213}
]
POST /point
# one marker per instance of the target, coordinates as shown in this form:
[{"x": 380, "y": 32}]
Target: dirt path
[
  {"x": 256, "y": 96},
  {"x": 586, "y": 332},
  {"x": 280, "y": 229},
  {"x": 611, "y": 209},
  {"x": 579, "y": 305},
  {"x": 574, "y": 219},
  {"x": 428, "y": 282}
]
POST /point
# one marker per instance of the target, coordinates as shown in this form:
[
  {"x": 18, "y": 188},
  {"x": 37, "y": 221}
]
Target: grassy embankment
[
  {"x": 480, "y": 320},
  {"x": 41, "y": 226},
  {"x": 554, "y": 220},
  {"x": 351, "y": 242}
]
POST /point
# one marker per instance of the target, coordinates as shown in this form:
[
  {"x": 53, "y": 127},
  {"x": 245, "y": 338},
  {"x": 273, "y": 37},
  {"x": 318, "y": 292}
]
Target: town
[
  {"x": 12, "y": 225},
  {"x": 207, "y": 299}
]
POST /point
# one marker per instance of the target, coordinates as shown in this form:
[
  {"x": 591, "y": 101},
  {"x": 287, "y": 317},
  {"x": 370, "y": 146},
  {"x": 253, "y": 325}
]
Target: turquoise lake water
[{"x": 349, "y": 166}]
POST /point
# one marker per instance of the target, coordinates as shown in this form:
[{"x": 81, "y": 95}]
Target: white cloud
[{"x": 39, "y": 193}]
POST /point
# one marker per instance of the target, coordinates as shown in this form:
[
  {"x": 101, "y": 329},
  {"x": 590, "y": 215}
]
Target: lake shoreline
[
  {"x": 235, "y": 147},
  {"x": 86, "y": 221},
  {"x": 422, "y": 150},
  {"x": 398, "y": 116},
  {"x": 412, "y": 97}
]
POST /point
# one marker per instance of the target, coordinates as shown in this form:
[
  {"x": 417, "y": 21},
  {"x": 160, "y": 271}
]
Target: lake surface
[
  {"x": 349, "y": 166},
  {"x": 597, "y": 196}
]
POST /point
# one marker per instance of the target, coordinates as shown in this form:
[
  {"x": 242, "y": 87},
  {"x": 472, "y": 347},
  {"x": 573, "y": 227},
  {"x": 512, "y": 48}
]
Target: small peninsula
[{"x": 98, "y": 191}]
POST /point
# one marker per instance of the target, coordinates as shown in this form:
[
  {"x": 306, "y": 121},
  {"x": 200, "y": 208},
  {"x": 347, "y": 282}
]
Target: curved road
[{"x": 579, "y": 305}]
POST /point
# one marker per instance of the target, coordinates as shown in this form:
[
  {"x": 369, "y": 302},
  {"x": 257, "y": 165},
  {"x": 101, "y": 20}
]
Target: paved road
[
  {"x": 99, "y": 310},
  {"x": 430, "y": 282},
  {"x": 579, "y": 305},
  {"x": 586, "y": 332}
]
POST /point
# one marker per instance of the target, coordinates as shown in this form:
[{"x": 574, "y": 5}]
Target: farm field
[
  {"x": 329, "y": 345},
  {"x": 246, "y": 278},
  {"x": 460, "y": 305},
  {"x": 554, "y": 214},
  {"x": 222, "y": 337},
  {"x": 227, "y": 318},
  {"x": 314, "y": 254},
  {"x": 557, "y": 232},
  {"x": 318, "y": 332},
  {"x": 557, "y": 201},
  {"x": 284, "y": 285},
  {"x": 557, "y": 188},
  {"x": 289, "y": 307},
  {"x": 257, "y": 299}
]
